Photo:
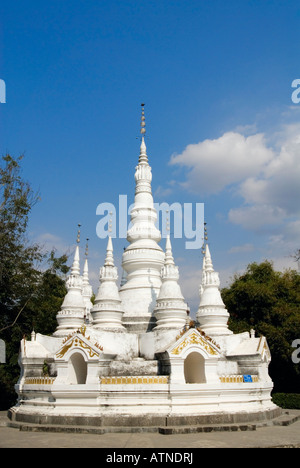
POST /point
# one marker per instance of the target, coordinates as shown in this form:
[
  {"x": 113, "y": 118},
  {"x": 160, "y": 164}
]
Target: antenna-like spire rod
[
  {"x": 78, "y": 234},
  {"x": 75, "y": 269},
  {"x": 87, "y": 247},
  {"x": 143, "y": 158},
  {"x": 110, "y": 223},
  {"x": 143, "y": 122},
  {"x": 204, "y": 239},
  {"x": 167, "y": 221}
]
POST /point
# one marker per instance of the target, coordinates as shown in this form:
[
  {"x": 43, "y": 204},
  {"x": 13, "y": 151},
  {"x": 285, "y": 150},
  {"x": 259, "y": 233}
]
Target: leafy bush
[
  {"x": 287, "y": 400},
  {"x": 269, "y": 302}
]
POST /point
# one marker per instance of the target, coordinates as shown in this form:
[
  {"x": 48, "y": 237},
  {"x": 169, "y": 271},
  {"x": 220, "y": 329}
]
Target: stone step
[
  {"x": 3, "y": 421},
  {"x": 27, "y": 427},
  {"x": 126, "y": 429},
  {"x": 285, "y": 419},
  {"x": 209, "y": 428}
]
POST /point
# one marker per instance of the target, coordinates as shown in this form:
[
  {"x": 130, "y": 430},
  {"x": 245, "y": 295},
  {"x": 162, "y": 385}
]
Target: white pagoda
[{"x": 134, "y": 360}]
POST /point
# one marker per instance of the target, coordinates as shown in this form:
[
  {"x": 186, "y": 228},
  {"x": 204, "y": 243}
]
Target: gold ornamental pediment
[
  {"x": 78, "y": 340},
  {"x": 263, "y": 348},
  {"x": 192, "y": 338}
]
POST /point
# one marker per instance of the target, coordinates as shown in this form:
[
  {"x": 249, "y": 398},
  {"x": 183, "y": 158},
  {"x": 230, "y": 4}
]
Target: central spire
[{"x": 143, "y": 258}]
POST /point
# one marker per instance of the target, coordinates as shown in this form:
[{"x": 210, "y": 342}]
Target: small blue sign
[{"x": 247, "y": 378}]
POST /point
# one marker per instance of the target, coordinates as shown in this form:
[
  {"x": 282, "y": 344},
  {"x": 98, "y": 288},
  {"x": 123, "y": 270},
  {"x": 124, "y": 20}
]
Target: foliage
[
  {"x": 296, "y": 255},
  {"x": 269, "y": 302},
  {"x": 18, "y": 275},
  {"x": 29, "y": 297},
  {"x": 287, "y": 400}
]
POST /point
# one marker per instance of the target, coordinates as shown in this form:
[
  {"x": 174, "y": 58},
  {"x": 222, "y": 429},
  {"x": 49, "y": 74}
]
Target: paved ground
[{"x": 271, "y": 436}]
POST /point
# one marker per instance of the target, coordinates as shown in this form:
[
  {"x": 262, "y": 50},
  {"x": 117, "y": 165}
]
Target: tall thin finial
[
  {"x": 204, "y": 239},
  {"x": 143, "y": 158},
  {"x": 87, "y": 247},
  {"x": 167, "y": 222},
  {"x": 75, "y": 269},
  {"x": 110, "y": 223},
  {"x": 78, "y": 234},
  {"x": 143, "y": 122}
]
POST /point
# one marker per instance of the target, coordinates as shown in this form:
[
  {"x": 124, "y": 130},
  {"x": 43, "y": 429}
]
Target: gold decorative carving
[
  {"x": 263, "y": 347},
  {"x": 78, "y": 342},
  {"x": 266, "y": 349},
  {"x": 194, "y": 338},
  {"x": 63, "y": 351},
  {"x": 91, "y": 351},
  {"x": 236, "y": 379},
  {"x": 141, "y": 380},
  {"x": 39, "y": 380},
  {"x": 206, "y": 337}
]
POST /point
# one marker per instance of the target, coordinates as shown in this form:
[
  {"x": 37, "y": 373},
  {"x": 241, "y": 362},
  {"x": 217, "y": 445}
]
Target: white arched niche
[
  {"x": 77, "y": 369},
  {"x": 194, "y": 368}
]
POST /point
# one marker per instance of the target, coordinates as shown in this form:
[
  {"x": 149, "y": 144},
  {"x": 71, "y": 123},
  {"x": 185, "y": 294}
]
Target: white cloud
[
  {"x": 268, "y": 179},
  {"x": 190, "y": 279},
  {"x": 216, "y": 164},
  {"x": 50, "y": 242},
  {"x": 264, "y": 170},
  {"x": 162, "y": 192},
  {"x": 241, "y": 248},
  {"x": 279, "y": 184},
  {"x": 272, "y": 196},
  {"x": 257, "y": 217},
  {"x": 285, "y": 241}
]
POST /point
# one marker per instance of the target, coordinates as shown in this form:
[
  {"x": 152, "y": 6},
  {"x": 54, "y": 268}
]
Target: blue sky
[{"x": 222, "y": 128}]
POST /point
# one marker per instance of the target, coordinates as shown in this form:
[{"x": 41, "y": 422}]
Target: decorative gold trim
[
  {"x": 259, "y": 343},
  {"x": 63, "y": 351},
  {"x": 192, "y": 325},
  {"x": 137, "y": 380},
  {"x": 237, "y": 379},
  {"x": 194, "y": 338},
  {"x": 263, "y": 347},
  {"x": 78, "y": 342},
  {"x": 82, "y": 344},
  {"x": 39, "y": 380}
]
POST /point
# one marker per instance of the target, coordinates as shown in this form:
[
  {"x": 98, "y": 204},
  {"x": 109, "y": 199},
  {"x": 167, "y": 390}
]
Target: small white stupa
[
  {"x": 170, "y": 310},
  {"x": 107, "y": 312},
  {"x": 71, "y": 316},
  {"x": 212, "y": 315},
  {"x": 137, "y": 362}
]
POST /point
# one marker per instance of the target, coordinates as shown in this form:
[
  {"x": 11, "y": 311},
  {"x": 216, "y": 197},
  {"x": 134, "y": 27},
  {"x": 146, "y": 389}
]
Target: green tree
[
  {"x": 46, "y": 302},
  {"x": 269, "y": 302},
  {"x": 18, "y": 259},
  {"x": 296, "y": 255},
  {"x": 30, "y": 296}
]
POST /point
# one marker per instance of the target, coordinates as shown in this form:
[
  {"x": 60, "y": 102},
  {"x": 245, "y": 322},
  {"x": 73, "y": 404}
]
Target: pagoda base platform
[{"x": 179, "y": 424}]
